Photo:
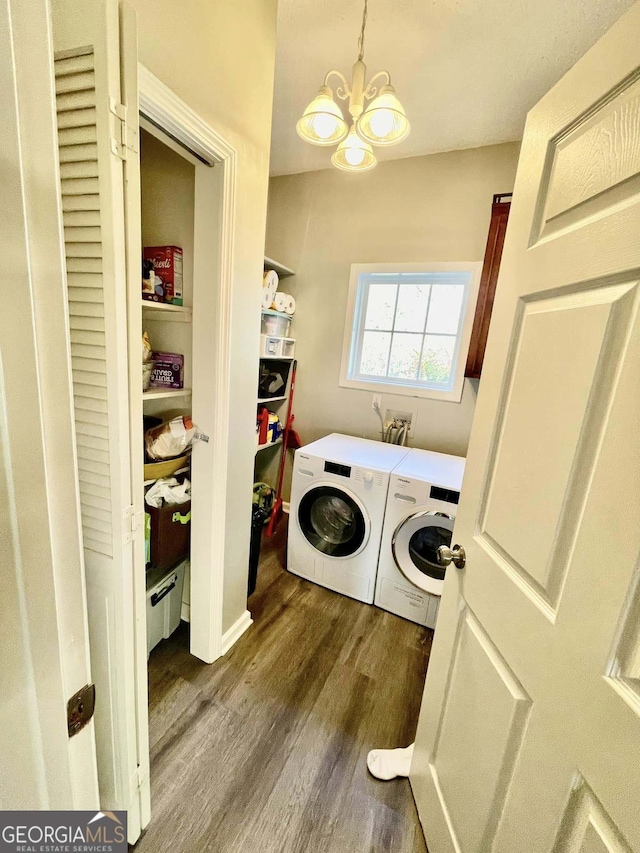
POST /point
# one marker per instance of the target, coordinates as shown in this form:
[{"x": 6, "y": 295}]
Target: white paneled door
[{"x": 529, "y": 734}]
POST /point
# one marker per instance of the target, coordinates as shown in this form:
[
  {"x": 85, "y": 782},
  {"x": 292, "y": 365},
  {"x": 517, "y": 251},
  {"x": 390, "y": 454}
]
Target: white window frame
[{"x": 397, "y": 387}]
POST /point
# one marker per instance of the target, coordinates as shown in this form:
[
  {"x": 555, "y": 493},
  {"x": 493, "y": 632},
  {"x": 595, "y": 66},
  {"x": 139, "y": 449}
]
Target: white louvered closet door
[{"x": 92, "y": 143}]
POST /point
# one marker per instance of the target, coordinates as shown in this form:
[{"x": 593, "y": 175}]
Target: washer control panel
[{"x": 369, "y": 478}]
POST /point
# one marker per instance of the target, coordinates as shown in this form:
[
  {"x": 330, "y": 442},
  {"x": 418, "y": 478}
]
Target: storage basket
[
  {"x": 276, "y": 324},
  {"x": 170, "y": 534},
  {"x": 164, "y": 604},
  {"x": 272, "y": 346},
  {"x": 164, "y": 467},
  {"x": 269, "y": 346},
  {"x": 287, "y": 347}
]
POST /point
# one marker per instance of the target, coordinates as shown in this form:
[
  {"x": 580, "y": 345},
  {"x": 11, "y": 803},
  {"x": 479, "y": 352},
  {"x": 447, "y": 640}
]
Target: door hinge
[
  {"x": 125, "y": 137},
  {"x": 80, "y": 709},
  {"x": 140, "y": 777},
  {"x": 131, "y": 521}
]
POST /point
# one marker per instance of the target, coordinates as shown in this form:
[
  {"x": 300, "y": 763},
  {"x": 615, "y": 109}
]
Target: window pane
[
  {"x": 375, "y": 353},
  {"x": 413, "y": 300},
  {"x": 380, "y": 306},
  {"x": 444, "y": 308},
  {"x": 405, "y": 355},
  {"x": 437, "y": 357}
]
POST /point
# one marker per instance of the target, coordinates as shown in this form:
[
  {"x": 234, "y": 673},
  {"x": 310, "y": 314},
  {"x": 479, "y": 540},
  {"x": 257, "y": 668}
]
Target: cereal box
[{"x": 167, "y": 266}]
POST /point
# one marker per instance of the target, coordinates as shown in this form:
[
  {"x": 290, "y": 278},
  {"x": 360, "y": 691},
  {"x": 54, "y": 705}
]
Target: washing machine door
[
  {"x": 415, "y": 546},
  {"x": 333, "y": 521}
]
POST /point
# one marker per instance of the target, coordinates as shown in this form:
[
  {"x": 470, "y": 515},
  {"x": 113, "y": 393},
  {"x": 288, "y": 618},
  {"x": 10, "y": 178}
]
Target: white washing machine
[
  {"x": 338, "y": 497},
  {"x": 421, "y": 509}
]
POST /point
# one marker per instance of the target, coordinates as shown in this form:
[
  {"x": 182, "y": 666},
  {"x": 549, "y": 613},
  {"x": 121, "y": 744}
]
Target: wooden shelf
[
  {"x": 283, "y": 272},
  {"x": 269, "y": 444},
  {"x": 162, "y": 393},
  {"x": 277, "y": 357},
  {"x": 263, "y": 400},
  {"x": 180, "y": 313}
]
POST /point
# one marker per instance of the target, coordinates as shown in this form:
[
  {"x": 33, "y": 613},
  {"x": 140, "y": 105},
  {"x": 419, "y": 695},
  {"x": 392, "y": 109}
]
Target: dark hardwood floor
[{"x": 265, "y": 750}]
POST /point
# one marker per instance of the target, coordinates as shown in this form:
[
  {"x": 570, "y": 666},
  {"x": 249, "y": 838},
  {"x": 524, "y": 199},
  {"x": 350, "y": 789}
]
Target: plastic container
[
  {"x": 269, "y": 346},
  {"x": 275, "y": 324},
  {"x": 164, "y": 604},
  {"x": 170, "y": 534},
  {"x": 287, "y": 347}
]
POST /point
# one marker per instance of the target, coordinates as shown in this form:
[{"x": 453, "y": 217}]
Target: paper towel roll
[
  {"x": 270, "y": 280},
  {"x": 290, "y": 306},
  {"x": 280, "y": 301},
  {"x": 267, "y": 298}
]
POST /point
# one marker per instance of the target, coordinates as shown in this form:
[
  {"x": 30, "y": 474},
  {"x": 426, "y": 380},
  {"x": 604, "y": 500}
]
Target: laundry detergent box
[
  {"x": 168, "y": 370},
  {"x": 167, "y": 266}
]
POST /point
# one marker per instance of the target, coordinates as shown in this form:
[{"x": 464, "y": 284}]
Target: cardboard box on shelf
[
  {"x": 168, "y": 370},
  {"x": 167, "y": 265}
]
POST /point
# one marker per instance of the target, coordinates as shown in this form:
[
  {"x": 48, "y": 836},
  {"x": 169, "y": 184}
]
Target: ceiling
[{"x": 466, "y": 71}]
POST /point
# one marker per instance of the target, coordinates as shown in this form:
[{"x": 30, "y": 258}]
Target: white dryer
[
  {"x": 421, "y": 509},
  {"x": 338, "y": 497}
]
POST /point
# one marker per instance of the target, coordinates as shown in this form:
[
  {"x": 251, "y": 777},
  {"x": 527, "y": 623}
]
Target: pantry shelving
[
  {"x": 262, "y": 401},
  {"x": 161, "y": 311},
  {"x": 281, "y": 269},
  {"x": 162, "y": 393},
  {"x": 277, "y": 357},
  {"x": 268, "y": 444}
]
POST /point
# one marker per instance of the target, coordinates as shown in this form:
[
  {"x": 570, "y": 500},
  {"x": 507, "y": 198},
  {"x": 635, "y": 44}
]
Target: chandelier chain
[{"x": 361, "y": 39}]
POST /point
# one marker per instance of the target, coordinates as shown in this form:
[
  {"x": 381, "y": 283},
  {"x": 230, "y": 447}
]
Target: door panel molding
[
  {"x": 475, "y": 752},
  {"x": 586, "y": 827},
  {"x": 541, "y": 576}
]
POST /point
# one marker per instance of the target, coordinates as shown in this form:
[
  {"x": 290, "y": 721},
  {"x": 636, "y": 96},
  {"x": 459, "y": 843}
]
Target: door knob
[{"x": 455, "y": 555}]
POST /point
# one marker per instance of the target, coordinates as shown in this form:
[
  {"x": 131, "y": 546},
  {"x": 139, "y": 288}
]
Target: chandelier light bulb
[
  {"x": 353, "y": 154},
  {"x": 384, "y": 121},
  {"x": 322, "y": 122},
  {"x": 324, "y": 126}
]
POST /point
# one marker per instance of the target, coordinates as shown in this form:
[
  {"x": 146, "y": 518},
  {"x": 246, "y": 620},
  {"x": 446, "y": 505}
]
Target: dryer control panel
[
  {"x": 335, "y": 468},
  {"x": 358, "y": 475},
  {"x": 449, "y": 495}
]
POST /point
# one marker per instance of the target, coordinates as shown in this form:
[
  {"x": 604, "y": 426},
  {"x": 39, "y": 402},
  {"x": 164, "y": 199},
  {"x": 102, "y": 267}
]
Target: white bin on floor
[{"x": 164, "y": 603}]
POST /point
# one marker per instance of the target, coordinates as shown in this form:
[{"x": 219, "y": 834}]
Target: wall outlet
[{"x": 376, "y": 401}]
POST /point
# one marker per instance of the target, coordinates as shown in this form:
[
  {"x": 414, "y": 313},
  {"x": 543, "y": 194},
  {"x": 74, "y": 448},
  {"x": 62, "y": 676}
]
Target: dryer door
[
  {"x": 333, "y": 521},
  {"x": 415, "y": 546}
]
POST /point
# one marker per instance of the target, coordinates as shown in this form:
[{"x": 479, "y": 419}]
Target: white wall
[
  {"x": 431, "y": 208},
  {"x": 219, "y": 57}
]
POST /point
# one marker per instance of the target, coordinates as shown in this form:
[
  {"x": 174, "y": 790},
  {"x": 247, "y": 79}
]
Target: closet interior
[{"x": 167, "y": 185}]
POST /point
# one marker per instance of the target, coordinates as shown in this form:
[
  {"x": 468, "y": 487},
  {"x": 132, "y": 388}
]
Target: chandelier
[{"x": 381, "y": 122}]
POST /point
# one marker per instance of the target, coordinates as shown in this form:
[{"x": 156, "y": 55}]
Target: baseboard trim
[{"x": 231, "y": 637}]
